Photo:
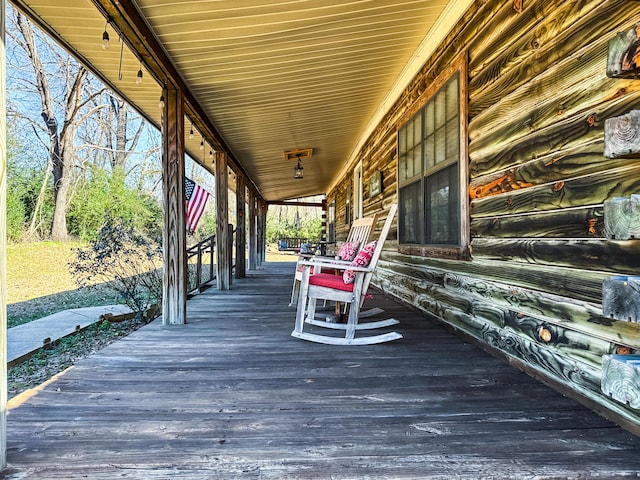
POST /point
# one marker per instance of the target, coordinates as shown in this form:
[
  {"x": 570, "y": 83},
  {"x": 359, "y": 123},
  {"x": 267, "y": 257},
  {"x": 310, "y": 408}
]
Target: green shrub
[{"x": 127, "y": 260}]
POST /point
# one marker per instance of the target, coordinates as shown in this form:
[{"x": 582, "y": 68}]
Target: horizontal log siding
[{"x": 538, "y": 99}]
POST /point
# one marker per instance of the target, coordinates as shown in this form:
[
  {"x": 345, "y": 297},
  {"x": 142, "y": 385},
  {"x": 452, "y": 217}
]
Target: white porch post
[
  {"x": 174, "y": 279},
  {"x": 3, "y": 248},
  {"x": 222, "y": 222}
]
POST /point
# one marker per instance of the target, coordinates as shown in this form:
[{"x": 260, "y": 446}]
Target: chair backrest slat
[
  {"x": 379, "y": 246},
  {"x": 361, "y": 230}
]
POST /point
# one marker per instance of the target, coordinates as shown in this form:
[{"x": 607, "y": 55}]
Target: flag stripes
[{"x": 196, "y": 201}]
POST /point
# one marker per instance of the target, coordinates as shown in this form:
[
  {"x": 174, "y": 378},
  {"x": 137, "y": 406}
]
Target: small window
[{"x": 432, "y": 170}]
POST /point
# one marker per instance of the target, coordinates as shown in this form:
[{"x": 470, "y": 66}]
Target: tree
[
  {"x": 60, "y": 140},
  {"x": 89, "y": 164}
]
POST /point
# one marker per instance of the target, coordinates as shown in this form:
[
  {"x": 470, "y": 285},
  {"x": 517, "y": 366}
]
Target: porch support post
[
  {"x": 174, "y": 244},
  {"x": 259, "y": 232},
  {"x": 253, "y": 234},
  {"x": 223, "y": 264},
  {"x": 265, "y": 208},
  {"x": 3, "y": 249},
  {"x": 241, "y": 228}
]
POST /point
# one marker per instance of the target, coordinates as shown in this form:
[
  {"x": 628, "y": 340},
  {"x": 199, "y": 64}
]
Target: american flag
[{"x": 196, "y": 201}]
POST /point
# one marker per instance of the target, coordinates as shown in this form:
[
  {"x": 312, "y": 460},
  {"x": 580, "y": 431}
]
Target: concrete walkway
[{"x": 25, "y": 339}]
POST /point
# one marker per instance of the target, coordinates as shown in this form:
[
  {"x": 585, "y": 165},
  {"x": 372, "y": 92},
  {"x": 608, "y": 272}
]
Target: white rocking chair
[
  {"x": 360, "y": 232},
  {"x": 327, "y": 286}
]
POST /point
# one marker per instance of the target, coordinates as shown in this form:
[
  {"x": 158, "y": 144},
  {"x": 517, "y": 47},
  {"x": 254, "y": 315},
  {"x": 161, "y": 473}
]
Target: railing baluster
[{"x": 198, "y": 251}]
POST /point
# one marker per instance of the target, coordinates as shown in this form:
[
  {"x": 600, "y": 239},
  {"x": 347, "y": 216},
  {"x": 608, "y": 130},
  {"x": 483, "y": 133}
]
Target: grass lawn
[{"x": 39, "y": 282}]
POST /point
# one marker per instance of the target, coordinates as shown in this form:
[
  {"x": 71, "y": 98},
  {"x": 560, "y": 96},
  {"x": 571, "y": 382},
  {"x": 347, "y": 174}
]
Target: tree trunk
[{"x": 61, "y": 147}]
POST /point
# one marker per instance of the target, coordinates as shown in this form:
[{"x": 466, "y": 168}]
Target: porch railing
[{"x": 197, "y": 269}]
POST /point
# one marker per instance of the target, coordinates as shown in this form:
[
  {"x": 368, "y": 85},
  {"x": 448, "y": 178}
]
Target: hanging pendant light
[
  {"x": 105, "y": 38},
  {"x": 139, "y": 76},
  {"x": 299, "y": 171}
]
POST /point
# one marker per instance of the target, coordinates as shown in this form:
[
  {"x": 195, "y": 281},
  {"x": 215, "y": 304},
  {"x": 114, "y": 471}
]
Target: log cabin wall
[{"x": 538, "y": 97}]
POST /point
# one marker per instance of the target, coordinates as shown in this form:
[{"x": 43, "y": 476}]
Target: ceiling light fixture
[{"x": 298, "y": 171}]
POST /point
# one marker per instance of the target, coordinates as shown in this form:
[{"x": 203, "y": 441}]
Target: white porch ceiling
[{"x": 271, "y": 76}]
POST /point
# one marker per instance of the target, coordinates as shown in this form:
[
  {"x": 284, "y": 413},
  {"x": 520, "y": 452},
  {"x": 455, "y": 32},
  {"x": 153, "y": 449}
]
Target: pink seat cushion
[{"x": 330, "y": 281}]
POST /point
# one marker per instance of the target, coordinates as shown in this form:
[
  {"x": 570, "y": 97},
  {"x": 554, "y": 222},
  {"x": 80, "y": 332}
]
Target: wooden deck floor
[{"x": 232, "y": 396}]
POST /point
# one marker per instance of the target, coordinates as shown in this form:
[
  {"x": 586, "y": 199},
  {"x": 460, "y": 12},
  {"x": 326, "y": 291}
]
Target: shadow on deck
[{"x": 232, "y": 395}]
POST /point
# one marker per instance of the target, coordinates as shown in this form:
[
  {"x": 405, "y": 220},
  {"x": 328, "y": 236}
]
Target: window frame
[{"x": 461, "y": 251}]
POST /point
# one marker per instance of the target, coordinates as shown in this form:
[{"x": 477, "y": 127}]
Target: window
[
  {"x": 432, "y": 170},
  {"x": 331, "y": 223},
  {"x": 347, "y": 206},
  {"x": 357, "y": 191}
]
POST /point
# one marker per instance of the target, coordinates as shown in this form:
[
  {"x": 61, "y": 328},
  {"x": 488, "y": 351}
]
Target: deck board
[{"x": 231, "y": 395}]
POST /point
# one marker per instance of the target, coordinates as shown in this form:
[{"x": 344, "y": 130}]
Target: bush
[
  {"x": 103, "y": 196},
  {"x": 16, "y": 214},
  {"x": 129, "y": 261}
]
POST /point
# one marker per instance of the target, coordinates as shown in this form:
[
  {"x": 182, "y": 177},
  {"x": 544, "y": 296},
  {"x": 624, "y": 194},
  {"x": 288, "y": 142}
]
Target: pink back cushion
[
  {"x": 362, "y": 260},
  {"x": 348, "y": 251}
]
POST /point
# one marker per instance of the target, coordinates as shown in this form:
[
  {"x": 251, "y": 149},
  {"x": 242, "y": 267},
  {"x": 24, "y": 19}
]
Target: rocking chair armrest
[
  {"x": 338, "y": 266},
  {"x": 321, "y": 258}
]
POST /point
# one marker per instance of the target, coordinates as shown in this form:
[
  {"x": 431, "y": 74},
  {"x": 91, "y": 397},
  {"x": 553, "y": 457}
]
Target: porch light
[
  {"x": 299, "y": 171},
  {"x": 202, "y": 144},
  {"x": 139, "y": 77},
  {"x": 105, "y": 37},
  {"x": 161, "y": 102},
  {"x": 191, "y": 132}
]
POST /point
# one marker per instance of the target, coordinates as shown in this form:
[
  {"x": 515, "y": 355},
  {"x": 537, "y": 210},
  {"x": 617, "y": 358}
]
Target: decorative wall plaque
[{"x": 375, "y": 184}]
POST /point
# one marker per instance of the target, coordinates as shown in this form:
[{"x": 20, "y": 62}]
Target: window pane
[
  {"x": 402, "y": 141},
  {"x": 441, "y": 145},
  {"x": 453, "y": 92},
  {"x": 410, "y": 219},
  {"x": 429, "y": 117},
  {"x": 441, "y": 105},
  {"x": 409, "y": 130},
  {"x": 409, "y": 166},
  {"x": 402, "y": 167},
  {"x": 453, "y": 139},
  {"x": 443, "y": 207},
  {"x": 417, "y": 129},
  {"x": 417, "y": 160},
  {"x": 430, "y": 154}
]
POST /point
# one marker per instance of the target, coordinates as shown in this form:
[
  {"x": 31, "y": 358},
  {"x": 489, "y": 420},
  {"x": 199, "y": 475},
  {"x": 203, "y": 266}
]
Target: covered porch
[{"x": 234, "y": 396}]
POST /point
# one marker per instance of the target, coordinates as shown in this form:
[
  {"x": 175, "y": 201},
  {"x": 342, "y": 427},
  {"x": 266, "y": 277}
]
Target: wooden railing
[{"x": 196, "y": 270}]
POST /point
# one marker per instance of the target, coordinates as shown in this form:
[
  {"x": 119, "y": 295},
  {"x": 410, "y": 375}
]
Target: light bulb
[
  {"x": 161, "y": 102},
  {"x": 105, "y": 39},
  {"x": 139, "y": 77}
]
